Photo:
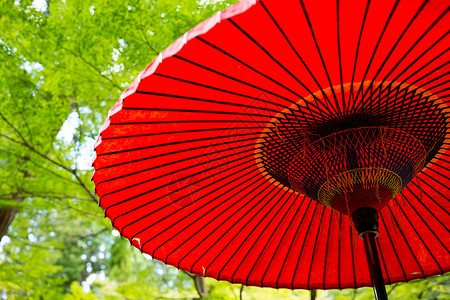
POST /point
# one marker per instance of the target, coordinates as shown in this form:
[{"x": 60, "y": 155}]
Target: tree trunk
[
  {"x": 7, "y": 215},
  {"x": 313, "y": 294},
  {"x": 200, "y": 285}
]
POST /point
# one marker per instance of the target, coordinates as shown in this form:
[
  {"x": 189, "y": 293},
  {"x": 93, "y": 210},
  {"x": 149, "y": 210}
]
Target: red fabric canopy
[{"x": 179, "y": 168}]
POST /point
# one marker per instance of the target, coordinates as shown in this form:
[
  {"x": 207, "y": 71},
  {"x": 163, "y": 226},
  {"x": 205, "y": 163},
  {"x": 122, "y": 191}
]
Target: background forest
[{"x": 63, "y": 63}]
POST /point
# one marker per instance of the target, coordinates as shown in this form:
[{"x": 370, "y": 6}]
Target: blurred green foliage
[{"x": 64, "y": 62}]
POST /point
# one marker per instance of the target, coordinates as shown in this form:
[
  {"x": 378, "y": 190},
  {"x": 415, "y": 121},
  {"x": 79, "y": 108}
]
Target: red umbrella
[{"x": 244, "y": 149}]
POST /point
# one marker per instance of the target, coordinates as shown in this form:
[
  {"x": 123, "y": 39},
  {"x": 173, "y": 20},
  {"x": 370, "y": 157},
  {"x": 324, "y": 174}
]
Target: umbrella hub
[
  {"x": 360, "y": 154},
  {"x": 359, "y": 167}
]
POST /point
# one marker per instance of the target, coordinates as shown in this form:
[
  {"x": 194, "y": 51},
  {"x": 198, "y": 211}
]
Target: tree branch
[
  {"x": 148, "y": 43},
  {"x": 38, "y": 165},
  {"x": 83, "y": 211},
  {"x": 13, "y": 127},
  {"x": 73, "y": 172},
  {"x": 79, "y": 237},
  {"x": 392, "y": 288},
  {"x": 91, "y": 65}
]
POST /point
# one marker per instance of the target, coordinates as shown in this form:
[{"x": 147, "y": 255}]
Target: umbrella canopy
[{"x": 245, "y": 148}]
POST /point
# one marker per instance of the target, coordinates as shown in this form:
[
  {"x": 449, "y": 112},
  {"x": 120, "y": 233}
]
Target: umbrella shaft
[{"x": 374, "y": 266}]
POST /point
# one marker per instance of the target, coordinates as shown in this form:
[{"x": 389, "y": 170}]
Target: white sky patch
[
  {"x": 84, "y": 158},
  {"x": 122, "y": 43},
  {"x": 40, "y": 5},
  {"x": 66, "y": 134},
  {"x": 32, "y": 238},
  {"x": 91, "y": 278},
  {"x": 202, "y": 2},
  {"x": 115, "y": 54},
  {"x": 5, "y": 240},
  {"x": 32, "y": 66},
  {"x": 69, "y": 128}
]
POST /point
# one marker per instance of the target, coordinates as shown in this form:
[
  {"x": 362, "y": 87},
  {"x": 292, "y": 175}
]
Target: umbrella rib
[
  {"x": 295, "y": 51},
  {"x": 165, "y": 185},
  {"x": 251, "y": 231},
  {"x": 226, "y": 232},
  {"x": 395, "y": 250},
  {"x": 248, "y": 84},
  {"x": 167, "y": 205},
  {"x": 404, "y": 116},
  {"x": 296, "y": 118},
  {"x": 181, "y": 122},
  {"x": 433, "y": 79},
  {"x": 315, "y": 245},
  {"x": 173, "y": 162},
  {"x": 398, "y": 40},
  {"x": 292, "y": 242},
  {"x": 442, "y": 167},
  {"x": 338, "y": 34},
  {"x": 420, "y": 216},
  {"x": 378, "y": 44},
  {"x": 418, "y": 40},
  {"x": 304, "y": 199},
  {"x": 184, "y": 132},
  {"x": 414, "y": 45},
  {"x": 338, "y": 109},
  {"x": 186, "y": 177},
  {"x": 409, "y": 96},
  {"x": 326, "y": 248},
  {"x": 425, "y": 107},
  {"x": 303, "y": 244},
  {"x": 383, "y": 261},
  {"x": 218, "y": 89},
  {"x": 273, "y": 232},
  {"x": 353, "y": 254},
  {"x": 441, "y": 83},
  {"x": 213, "y": 200},
  {"x": 292, "y": 136},
  {"x": 339, "y": 215},
  {"x": 386, "y": 97},
  {"x": 292, "y": 126},
  {"x": 187, "y": 150},
  {"x": 417, "y": 71},
  {"x": 219, "y": 112},
  {"x": 418, "y": 235},
  {"x": 261, "y": 231},
  {"x": 440, "y": 183},
  {"x": 164, "y": 175},
  {"x": 255, "y": 70},
  {"x": 204, "y": 239},
  {"x": 176, "y": 161},
  {"x": 207, "y": 101},
  {"x": 251, "y": 219},
  {"x": 352, "y": 107},
  {"x": 272, "y": 57},
  {"x": 178, "y": 142}
]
